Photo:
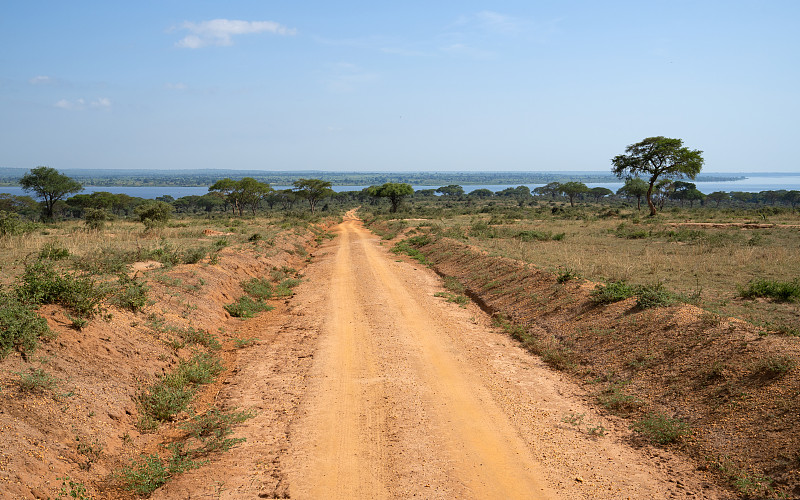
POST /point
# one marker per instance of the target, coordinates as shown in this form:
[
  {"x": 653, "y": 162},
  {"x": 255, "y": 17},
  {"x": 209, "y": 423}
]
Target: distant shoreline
[{"x": 199, "y": 178}]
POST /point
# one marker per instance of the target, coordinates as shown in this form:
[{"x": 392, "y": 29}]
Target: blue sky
[{"x": 410, "y": 86}]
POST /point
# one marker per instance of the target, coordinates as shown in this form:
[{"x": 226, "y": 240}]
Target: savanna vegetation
[{"x": 556, "y": 255}]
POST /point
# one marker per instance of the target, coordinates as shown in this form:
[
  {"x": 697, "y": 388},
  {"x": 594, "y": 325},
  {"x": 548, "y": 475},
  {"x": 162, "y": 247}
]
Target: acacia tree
[
  {"x": 634, "y": 187},
  {"x": 313, "y": 190},
  {"x": 598, "y": 193},
  {"x": 658, "y": 157},
  {"x": 395, "y": 191},
  {"x": 451, "y": 190},
  {"x": 572, "y": 189},
  {"x": 719, "y": 196},
  {"x": 50, "y": 185},
  {"x": 551, "y": 188}
]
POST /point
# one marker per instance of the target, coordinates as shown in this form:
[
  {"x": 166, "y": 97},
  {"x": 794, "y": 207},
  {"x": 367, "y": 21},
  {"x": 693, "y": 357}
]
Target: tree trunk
[{"x": 650, "y": 197}]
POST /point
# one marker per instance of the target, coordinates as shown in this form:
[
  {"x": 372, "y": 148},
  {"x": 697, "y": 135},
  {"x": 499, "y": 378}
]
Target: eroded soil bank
[{"x": 720, "y": 376}]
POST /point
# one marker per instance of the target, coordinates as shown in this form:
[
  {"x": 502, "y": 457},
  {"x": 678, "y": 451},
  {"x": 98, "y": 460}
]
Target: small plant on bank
[
  {"x": 213, "y": 428},
  {"x": 247, "y": 307},
  {"x": 131, "y": 293},
  {"x": 36, "y": 381},
  {"x": 258, "y": 288},
  {"x": 172, "y": 393},
  {"x": 73, "y": 489},
  {"x": 773, "y": 366},
  {"x": 660, "y": 428},
  {"x": 654, "y": 295},
  {"x": 20, "y": 327},
  {"x": 612, "y": 292},
  {"x": 566, "y": 274},
  {"x": 42, "y": 284}
]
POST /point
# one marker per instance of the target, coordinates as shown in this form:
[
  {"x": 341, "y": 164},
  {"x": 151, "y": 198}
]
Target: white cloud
[
  {"x": 494, "y": 21},
  {"x": 219, "y": 32},
  {"x": 81, "y": 104},
  {"x": 41, "y": 80},
  {"x": 176, "y": 86}
]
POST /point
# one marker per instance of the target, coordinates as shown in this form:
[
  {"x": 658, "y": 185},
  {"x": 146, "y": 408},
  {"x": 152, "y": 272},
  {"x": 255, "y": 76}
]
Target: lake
[{"x": 752, "y": 184}]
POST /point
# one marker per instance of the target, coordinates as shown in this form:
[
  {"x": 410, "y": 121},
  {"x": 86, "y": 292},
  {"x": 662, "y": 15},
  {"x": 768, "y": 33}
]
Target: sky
[{"x": 396, "y": 86}]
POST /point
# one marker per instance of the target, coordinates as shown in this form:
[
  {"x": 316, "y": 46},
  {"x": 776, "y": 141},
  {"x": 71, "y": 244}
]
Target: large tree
[
  {"x": 395, "y": 191},
  {"x": 50, "y": 185},
  {"x": 312, "y": 190},
  {"x": 658, "y": 157}
]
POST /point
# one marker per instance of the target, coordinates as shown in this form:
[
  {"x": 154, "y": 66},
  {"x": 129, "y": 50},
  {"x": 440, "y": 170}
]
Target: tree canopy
[
  {"x": 312, "y": 190},
  {"x": 658, "y": 157},
  {"x": 395, "y": 191},
  {"x": 572, "y": 189},
  {"x": 451, "y": 190},
  {"x": 50, "y": 185},
  {"x": 634, "y": 188}
]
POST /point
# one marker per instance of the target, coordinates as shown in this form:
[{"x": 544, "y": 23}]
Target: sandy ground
[{"x": 368, "y": 386}]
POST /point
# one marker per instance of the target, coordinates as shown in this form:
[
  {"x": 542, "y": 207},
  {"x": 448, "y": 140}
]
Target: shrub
[
  {"x": 145, "y": 476},
  {"x": 53, "y": 252},
  {"x": 20, "y": 326},
  {"x": 95, "y": 218},
  {"x": 37, "y": 380},
  {"x": 661, "y": 429},
  {"x": 612, "y": 292},
  {"x": 131, "y": 293},
  {"x": 213, "y": 428},
  {"x": 533, "y": 235},
  {"x": 258, "y": 288},
  {"x": 200, "y": 369},
  {"x": 42, "y": 284},
  {"x": 773, "y": 366},
  {"x": 781, "y": 291},
  {"x": 654, "y": 295},
  {"x": 154, "y": 214},
  {"x": 165, "y": 399},
  {"x": 247, "y": 307}
]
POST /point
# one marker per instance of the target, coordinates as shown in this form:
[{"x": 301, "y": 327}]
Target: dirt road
[{"x": 368, "y": 386}]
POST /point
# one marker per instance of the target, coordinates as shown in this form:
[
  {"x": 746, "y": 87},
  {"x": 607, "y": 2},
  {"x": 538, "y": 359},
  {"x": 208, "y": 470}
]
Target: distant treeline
[{"x": 133, "y": 178}]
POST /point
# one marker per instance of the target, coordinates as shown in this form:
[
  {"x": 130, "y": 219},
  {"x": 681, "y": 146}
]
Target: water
[{"x": 752, "y": 184}]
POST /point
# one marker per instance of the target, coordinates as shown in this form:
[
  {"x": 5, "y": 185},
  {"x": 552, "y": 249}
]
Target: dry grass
[
  {"x": 713, "y": 262},
  {"x": 124, "y": 236}
]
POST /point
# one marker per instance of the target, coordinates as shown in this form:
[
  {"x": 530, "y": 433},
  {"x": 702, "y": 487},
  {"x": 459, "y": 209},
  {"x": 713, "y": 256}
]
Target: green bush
[
  {"x": 42, "y": 284},
  {"x": 20, "y": 326},
  {"x": 166, "y": 398},
  {"x": 200, "y": 369},
  {"x": 154, "y": 214},
  {"x": 130, "y": 294},
  {"x": 654, "y": 295},
  {"x": 95, "y": 218},
  {"x": 533, "y": 235},
  {"x": 612, "y": 292},
  {"x": 258, "y": 288},
  {"x": 145, "y": 476},
  {"x": 213, "y": 428},
  {"x": 773, "y": 366},
  {"x": 53, "y": 252},
  {"x": 37, "y": 380},
  {"x": 661, "y": 429},
  {"x": 781, "y": 291},
  {"x": 247, "y": 307}
]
